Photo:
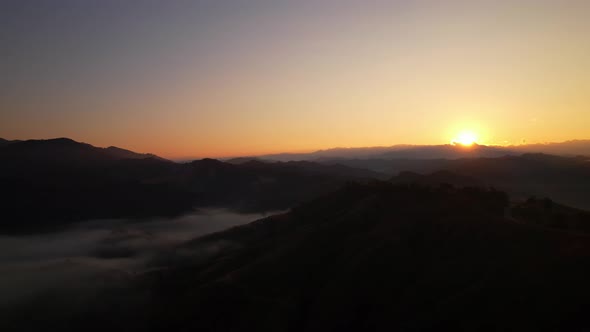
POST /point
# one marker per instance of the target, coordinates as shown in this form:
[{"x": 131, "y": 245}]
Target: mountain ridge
[
  {"x": 65, "y": 149},
  {"x": 47, "y": 184},
  {"x": 446, "y": 151}
]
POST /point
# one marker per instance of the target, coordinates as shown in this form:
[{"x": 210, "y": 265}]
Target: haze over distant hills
[
  {"x": 60, "y": 180},
  {"x": 521, "y": 170},
  {"x": 446, "y": 151},
  {"x": 573, "y": 148}
]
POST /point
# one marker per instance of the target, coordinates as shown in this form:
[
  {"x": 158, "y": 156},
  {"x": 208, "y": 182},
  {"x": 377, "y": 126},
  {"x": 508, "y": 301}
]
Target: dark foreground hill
[
  {"x": 383, "y": 257},
  {"x": 375, "y": 257}
]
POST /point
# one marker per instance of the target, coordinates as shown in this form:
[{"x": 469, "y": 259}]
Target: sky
[{"x": 226, "y": 78}]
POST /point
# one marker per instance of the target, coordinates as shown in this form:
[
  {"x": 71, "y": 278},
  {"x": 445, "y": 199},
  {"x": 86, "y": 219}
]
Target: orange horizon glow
[
  {"x": 179, "y": 154},
  {"x": 219, "y": 79}
]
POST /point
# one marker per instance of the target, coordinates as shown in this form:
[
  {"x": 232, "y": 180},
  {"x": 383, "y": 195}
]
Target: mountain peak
[
  {"x": 63, "y": 149},
  {"x": 63, "y": 140}
]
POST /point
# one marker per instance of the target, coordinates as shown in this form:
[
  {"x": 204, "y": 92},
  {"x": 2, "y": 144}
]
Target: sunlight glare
[{"x": 465, "y": 138}]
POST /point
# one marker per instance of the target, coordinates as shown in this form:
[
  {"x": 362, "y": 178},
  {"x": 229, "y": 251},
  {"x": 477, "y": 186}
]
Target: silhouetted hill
[
  {"x": 63, "y": 151},
  {"x": 314, "y": 168},
  {"x": 4, "y": 142},
  {"x": 305, "y": 166},
  {"x": 374, "y": 257},
  {"x": 256, "y": 186},
  {"x": 126, "y": 154},
  {"x": 54, "y": 150},
  {"x": 47, "y": 183},
  {"x": 384, "y": 257},
  {"x": 435, "y": 179},
  {"x": 44, "y": 182},
  {"x": 565, "y": 179},
  {"x": 242, "y": 160},
  {"x": 546, "y": 213}
]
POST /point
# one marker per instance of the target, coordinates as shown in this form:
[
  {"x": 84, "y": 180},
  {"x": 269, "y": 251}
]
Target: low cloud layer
[{"x": 85, "y": 258}]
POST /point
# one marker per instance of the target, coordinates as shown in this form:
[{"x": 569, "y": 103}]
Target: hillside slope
[{"x": 375, "y": 257}]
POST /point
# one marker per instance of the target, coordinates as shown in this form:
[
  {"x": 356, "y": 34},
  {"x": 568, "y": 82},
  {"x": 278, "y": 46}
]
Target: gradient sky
[{"x": 223, "y": 78}]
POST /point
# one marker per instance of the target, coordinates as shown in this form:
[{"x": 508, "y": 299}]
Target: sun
[{"x": 465, "y": 138}]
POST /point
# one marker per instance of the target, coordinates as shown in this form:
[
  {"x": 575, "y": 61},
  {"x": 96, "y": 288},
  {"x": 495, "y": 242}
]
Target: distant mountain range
[
  {"x": 568, "y": 148},
  {"x": 47, "y": 183},
  {"x": 564, "y": 177},
  {"x": 447, "y": 151}
]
